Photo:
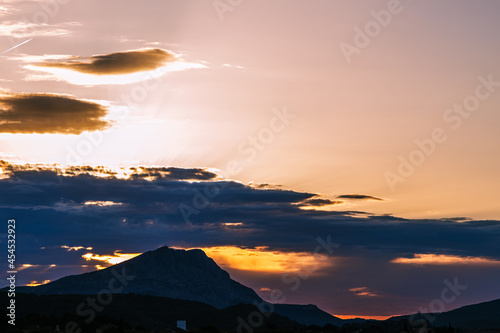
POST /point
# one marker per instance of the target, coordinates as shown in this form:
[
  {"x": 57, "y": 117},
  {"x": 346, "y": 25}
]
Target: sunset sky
[{"x": 258, "y": 130}]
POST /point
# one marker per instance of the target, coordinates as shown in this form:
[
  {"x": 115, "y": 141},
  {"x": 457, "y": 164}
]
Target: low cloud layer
[
  {"x": 49, "y": 113},
  {"x": 116, "y": 63},
  {"x": 318, "y": 202},
  {"x": 142, "y": 208},
  {"x": 19, "y": 29}
]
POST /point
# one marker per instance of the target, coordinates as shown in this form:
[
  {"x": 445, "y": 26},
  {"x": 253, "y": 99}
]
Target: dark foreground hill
[
  {"x": 308, "y": 314},
  {"x": 146, "y": 313},
  {"x": 476, "y": 316},
  {"x": 150, "y": 312},
  {"x": 190, "y": 276}
]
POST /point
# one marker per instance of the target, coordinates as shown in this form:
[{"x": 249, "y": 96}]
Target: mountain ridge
[
  {"x": 164, "y": 272},
  {"x": 482, "y": 315},
  {"x": 177, "y": 274},
  {"x": 193, "y": 276}
]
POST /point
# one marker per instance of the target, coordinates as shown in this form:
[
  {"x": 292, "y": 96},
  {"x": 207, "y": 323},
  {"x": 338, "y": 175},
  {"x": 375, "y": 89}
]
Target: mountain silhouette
[
  {"x": 165, "y": 272},
  {"x": 483, "y": 315},
  {"x": 151, "y": 312},
  {"x": 177, "y": 274}
]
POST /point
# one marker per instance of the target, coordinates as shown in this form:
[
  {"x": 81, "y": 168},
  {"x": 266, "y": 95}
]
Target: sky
[{"x": 258, "y": 131}]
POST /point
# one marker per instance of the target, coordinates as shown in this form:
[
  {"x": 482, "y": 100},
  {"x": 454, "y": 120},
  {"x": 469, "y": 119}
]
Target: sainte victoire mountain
[
  {"x": 165, "y": 272},
  {"x": 177, "y": 274}
]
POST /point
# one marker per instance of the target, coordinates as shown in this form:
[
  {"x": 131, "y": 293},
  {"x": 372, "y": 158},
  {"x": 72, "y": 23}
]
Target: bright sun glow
[
  {"x": 114, "y": 259},
  {"x": 362, "y": 316},
  {"x": 101, "y": 204},
  {"x": 75, "y": 248},
  {"x": 37, "y": 283},
  {"x": 25, "y": 266}
]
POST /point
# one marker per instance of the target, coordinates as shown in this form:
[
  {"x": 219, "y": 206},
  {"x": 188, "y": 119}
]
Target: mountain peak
[
  {"x": 165, "y": 272},
  {"x": 176, "y": 274}
]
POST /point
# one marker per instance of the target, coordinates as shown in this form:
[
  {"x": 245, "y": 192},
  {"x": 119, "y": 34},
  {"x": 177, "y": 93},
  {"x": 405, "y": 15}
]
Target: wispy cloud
[
  {"x": 358, "y": 197},
  {"x": 232, "y": 66},
  {"x": 102, "y": 203},
  {"x": 319, "y": 202},
  {"x": 75, "y": 248},
  {"x": 7, "y": 9},
  {"x": 20, "y": 29},
  {"x": 363, "y": 291},
  {"x": 31, "y": 58}
]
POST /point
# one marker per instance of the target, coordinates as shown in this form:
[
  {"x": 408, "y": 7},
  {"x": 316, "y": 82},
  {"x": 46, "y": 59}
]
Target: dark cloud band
[
  {"x": 93, "y": 207},
  {"x": 318, "y": 202},
  {"x": 358, "y": 197}
]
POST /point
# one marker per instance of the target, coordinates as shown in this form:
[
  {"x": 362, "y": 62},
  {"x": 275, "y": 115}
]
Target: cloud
[
  {"x": 30, "y": 58},
  {"x": 172, "y": 173},
  {"x": 443, "y": 259},
  {"x": 233, "y": 213},
  {"x": 50, "y": 113},
  {"x": 262, "y": 260},
  {"x": 102, "y": 203},
  {"x": 363, "y": 291},
  {"x": 134, "y": 173},
  {"x": 358, "y": 197},
  {"x": 6, "y": 9},
  {"x": 112, "y": 259},
  {"x": 242, "y": 220},
  {"x": 317, "y": 202},
  {"x": 75, "y": 248},
  {"x": 113, "y": 68},
  {"x": 232, "y": 66},
  {"x": 117, "y": 63},
  {"x": 26, "y": 266},
  {"x": 19, "y": 29},
  {"x": 35, "y": 283}
]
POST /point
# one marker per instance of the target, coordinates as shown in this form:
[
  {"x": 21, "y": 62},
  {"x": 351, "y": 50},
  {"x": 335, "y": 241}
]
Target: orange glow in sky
[
  {"x": 37, "y": 283},
  {"x": 443, "y": 259},
  {"x": 363, "y": 291},
  {"x": 361, "y": 316},
  {"x": 114, "y": 259},
  {"x": 262, "y": 259}
]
